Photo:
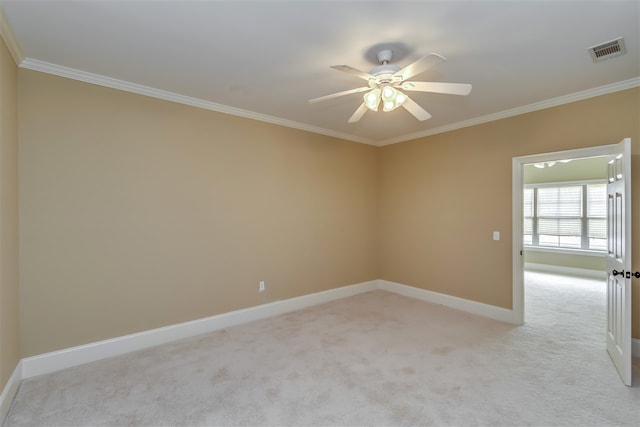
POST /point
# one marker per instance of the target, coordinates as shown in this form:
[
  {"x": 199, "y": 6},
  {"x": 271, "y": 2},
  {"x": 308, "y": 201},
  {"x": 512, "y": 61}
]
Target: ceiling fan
[{"x": 386, "y": 80}]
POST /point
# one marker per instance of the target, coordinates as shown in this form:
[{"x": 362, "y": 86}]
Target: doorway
[
  {"x": 618, "y": 257},
  {"x": 565, "y": 235},
  {"x": 519, "y": 316}
]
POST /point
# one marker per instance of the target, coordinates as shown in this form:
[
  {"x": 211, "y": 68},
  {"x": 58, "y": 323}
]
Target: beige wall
[
  {"x": 9, "y": 337},
  {"x": 575, "y": 170},
  {"x": 442, "y": 196},
  {"x": 588, "y": 262},
  {"x": 138, "y": 213}
]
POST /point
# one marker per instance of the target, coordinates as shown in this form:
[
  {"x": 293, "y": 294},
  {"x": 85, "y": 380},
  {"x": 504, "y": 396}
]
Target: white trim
[
  {"x": 9, "y": 392},
  {"x": 71, "y": 73},
  {"x": 576, "y": 153},
  {"x": 66, "y": 358},
  {"x": 100, "y": 80},
  {"x": 517, "y": 241},
  {"x": 567, "y": 271},
  {"x": 474, "y": 307},
  {"x": 55, "y": 361},
  {"x": 74, "y": 356},
  {"x": 565, "y": 183},
  {"x": 553, "y": 102},
  {"x": 516, "y": 212},
  {"x": 7, "y": 34}
]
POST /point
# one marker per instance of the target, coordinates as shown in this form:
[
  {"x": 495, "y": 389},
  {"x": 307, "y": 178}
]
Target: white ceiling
[{"x": 265, "y": 59}]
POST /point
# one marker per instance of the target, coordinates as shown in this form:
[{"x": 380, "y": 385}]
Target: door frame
[{"x": 517, "y": 214}]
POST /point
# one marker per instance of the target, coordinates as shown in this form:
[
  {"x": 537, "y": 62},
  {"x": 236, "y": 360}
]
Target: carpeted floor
[{"x": 372, "y": 359}]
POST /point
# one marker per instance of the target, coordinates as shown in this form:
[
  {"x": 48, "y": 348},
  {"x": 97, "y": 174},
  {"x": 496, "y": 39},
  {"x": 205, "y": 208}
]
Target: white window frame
[{"x": 573, "y": 251}]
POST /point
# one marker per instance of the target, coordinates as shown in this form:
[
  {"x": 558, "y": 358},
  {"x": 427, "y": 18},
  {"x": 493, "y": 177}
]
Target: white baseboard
[
  {"x": 74, "y": 356},
  {"x": 567, "y": 271},
  {"x": 9, "y": 392},
  {"x": 474, "y": 307},
  {"x": 58, "y": 360},
  {"x": 62, "y": 359}
]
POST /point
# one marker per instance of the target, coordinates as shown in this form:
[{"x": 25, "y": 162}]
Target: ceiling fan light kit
[
  {"x": 391, "y": 98},
  {"x": 386, "y": 80},
  {"x": 372, "y": 99}
]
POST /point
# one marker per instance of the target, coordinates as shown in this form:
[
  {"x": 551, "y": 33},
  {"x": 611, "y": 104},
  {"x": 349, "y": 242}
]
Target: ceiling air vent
[{"x": 607, "y": 50}]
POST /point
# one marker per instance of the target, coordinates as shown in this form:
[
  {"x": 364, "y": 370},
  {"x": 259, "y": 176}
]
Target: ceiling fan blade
[
  {"x": 417, "y": 111},
  {"x": 436, "y": 87},
  {"x": 358, "y": 113},
  {"x": 353, "y": 71},
  {"x": 420, "y": 66},
  {"x": 335, "y": 95}
]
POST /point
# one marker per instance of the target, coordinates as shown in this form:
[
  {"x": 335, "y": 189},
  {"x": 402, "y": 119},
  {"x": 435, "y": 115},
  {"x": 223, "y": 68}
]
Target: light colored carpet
[{"x": 372, "y": 359}]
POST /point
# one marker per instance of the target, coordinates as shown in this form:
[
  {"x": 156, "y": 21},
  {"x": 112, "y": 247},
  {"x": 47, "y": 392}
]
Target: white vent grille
[{"x": 607, "y": 50}]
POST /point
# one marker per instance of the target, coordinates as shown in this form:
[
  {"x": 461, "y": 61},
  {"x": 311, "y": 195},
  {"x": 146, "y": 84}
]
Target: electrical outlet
[{"x": 261, "y": 286}]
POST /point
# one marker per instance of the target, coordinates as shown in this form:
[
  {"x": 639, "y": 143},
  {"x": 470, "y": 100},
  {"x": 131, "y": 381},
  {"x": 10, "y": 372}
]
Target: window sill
[{"x": 566, "y": 251}]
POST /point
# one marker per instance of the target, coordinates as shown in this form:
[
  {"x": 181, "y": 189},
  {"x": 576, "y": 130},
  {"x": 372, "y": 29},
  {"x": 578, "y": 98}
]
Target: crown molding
[
  {"x": 553, "y": 102},
  {"x": 71, "y": 73},
  {"x": 100, "y": 80},
  {"x": 7, "y": 35}
]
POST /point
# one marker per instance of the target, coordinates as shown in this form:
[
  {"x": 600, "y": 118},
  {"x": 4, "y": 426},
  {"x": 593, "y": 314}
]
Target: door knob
[{"x": 628, "y": 274}]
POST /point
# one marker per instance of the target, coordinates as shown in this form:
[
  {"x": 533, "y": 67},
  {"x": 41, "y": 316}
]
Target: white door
[{"x": 619, "y": 259}]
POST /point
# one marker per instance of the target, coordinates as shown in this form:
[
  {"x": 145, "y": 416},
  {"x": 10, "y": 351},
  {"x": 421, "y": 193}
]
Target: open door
[{"x": 619, "y": 259}]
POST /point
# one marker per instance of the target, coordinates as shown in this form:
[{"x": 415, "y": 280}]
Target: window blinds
[
  {"x": 571, "y": 216},
  {"x": 560, "y": 211},
  {"x": 597, "y": 215}
]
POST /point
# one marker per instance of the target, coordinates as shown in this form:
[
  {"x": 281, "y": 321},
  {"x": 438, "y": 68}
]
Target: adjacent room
[
  {"x": 319, "y": 213},
  {"x": 565, "y": 223}
]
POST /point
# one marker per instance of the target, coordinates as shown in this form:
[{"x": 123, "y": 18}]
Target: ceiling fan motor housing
[
  {"x": 384, "y": 69},
  {"x": 384, "y": 56}
]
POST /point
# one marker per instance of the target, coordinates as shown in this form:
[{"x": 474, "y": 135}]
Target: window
[{"x": 567, "y": 215}]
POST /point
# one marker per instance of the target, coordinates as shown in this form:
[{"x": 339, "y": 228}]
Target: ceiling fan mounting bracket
[{"x": 384, "y": 56}]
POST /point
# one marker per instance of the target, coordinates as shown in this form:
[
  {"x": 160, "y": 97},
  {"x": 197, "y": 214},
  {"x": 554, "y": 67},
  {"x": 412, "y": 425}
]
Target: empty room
[{"x": 319, "y": 213}]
